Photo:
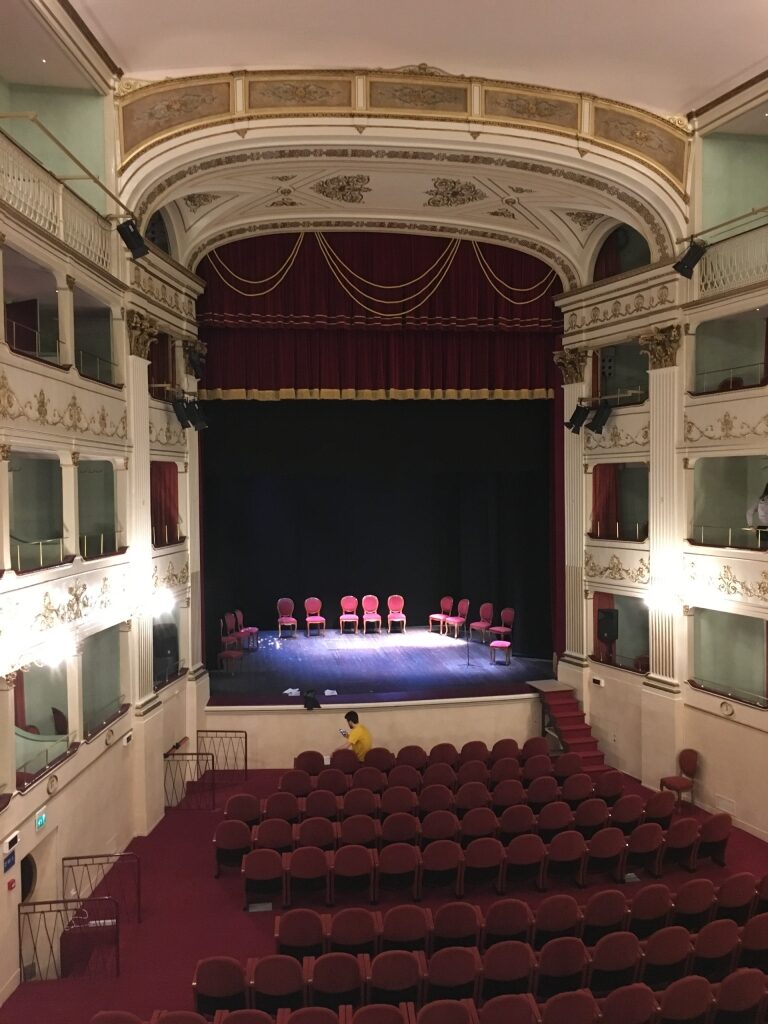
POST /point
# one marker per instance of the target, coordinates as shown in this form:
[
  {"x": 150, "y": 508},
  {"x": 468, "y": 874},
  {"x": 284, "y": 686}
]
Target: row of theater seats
[
  {"x": 313, "y": 762},
  {"x": 739, "y": 999},
  {"x": 564, "y": 964},
  {"x": 268, "y": 873},
  {"x": 305, "y": 932}
]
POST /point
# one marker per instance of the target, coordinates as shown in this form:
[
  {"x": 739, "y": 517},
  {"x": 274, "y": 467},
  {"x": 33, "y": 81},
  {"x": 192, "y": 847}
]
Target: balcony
[{"x": 29, "y": 189}]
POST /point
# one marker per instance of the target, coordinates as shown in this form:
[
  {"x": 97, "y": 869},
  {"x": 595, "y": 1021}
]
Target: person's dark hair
[{"x": 352, "y": 717}]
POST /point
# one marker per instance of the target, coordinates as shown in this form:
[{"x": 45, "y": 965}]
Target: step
[
  {"x": 569, "y": 718},
  {"x": 590, "y": 758},
  {"x": 558, "y": 699},
  {"x": 598, "y": 769},
  {"x": 580, "y": 746},
  {"x": 575, "y": 732}
]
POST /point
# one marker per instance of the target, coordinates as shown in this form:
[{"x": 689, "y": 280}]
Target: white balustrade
[
  {"x": 30, "y": 190},
  {"x": 735, "y": 262}
]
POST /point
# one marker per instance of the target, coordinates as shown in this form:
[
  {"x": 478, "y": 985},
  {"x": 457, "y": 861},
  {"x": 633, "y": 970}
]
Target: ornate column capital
[
  {"x": 571, "y": 363},
  {"x": 142, "y": 331},
  {"x": 195, "y": 352},
  {"x": 5, "y": 453},
  {"x": 661, "y": 345},
  {"x": 2, "y": 239}
]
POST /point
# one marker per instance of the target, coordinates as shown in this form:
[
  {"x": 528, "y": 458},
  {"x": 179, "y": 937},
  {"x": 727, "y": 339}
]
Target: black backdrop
[{"x": 421, "y": 498}]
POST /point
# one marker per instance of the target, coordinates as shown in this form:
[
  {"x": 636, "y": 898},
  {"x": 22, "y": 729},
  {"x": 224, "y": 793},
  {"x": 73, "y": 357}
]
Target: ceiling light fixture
[{"x": 45, "y": 62}]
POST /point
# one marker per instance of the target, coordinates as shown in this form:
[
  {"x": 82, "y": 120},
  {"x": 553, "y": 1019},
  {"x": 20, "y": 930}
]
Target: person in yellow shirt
[{"x": 357, "y": 737}]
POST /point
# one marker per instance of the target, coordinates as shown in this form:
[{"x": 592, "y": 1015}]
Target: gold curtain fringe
[
  {"x": 213, "y": 254},
  {"x": 546, "y": 280},
  {"x": 323, "y": 241},
  {"x": 375, "y": 394}
]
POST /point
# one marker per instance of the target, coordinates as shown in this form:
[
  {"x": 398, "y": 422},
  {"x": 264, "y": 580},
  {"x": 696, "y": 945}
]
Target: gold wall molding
[
  {"x": 453, "y": 192},
  {"x": 611, "y": 310},
  {"x": 170, "y": 578},
  {"x": 165, "y": 295},
  {"x": 38, "y": 410},
  {"x": 725, "y": 581},
  {"x": 657, "y": 232},
  {"x": 564, "y": 267},
  {"x": 615, "y": 437},
  {"x": 152, "y": 112},
  {"x": 343, "y": 188},
  {"x": 76, "y": 606},
  {"x": 583, "y": 219},
  {"x": 615, "y": 569},
  {"x": 197, "y": 200},
  {"x": 727, "y": 427},
  {"x": 571, "y": 362},
  {"x": 661, "y": 345},
  {"x": 167, "y": 434}
]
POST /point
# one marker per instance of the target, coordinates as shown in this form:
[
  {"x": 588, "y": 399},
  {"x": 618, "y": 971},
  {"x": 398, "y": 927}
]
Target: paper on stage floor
[
  {"x": 292, "y": 691},
  {"x": 330, "y": 693}
]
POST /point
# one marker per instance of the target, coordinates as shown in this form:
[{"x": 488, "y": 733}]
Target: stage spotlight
[
  {"x": 690, "y": 258},
  {"x": 600, "y": 418},
  {"x": 180, "y": 408},
  {"x": 576, "y": 422},
  {"x": 194, "y": 415},
  {"x": 196, "y": 364},
  {"x": 130, "y": 234}
]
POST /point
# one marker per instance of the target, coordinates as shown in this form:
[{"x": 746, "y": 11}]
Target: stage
[{"x": 377, "y": 668}]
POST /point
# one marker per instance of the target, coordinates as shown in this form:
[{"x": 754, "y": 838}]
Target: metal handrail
[
  {"x": 162, "y": 543},
  {"x": 39, "y": 544},
  {"x": 730, "y": 372},
  {"x": 736, "y": 534},
  {"x": 732, "y": 693},
  {"x": 17, "y": 346},
  {"x": 619, "y": 534},
  {"x": 102, "y": 717},
  {"x": 100, "y": 361},
  {"x": 100, "y": 547}
]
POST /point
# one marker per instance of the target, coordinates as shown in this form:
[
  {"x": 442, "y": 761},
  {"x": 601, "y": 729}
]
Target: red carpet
[{"x": 188, "y": 914}]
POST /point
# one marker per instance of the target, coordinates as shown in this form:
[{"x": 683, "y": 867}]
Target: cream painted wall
[
  {"x": 729, "y": 650},
  {"x": 276, "y": 735},
  {"x": 729, "y": 343},
  {"x": 734, "y": 176},
  {"x": 615, "y": 717}
]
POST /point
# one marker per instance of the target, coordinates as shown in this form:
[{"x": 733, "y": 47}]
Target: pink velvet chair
[
  {"x": 285, "y": 618},
  {"x": 312, "y": 607},
  {"x": 446, "y": 609},
  {"x": 458, "y": 621},
  {"x": 250, "y": 634},
  {"x": 371, "y": 612},
  {"x": 504, "y": 631},
  {"x": 485, "y": 621},
  {"x": 395, "y": 613},
  {"x": 349, "y": 612}
]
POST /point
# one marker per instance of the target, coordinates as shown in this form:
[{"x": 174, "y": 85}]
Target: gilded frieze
[
  {"x": 725, "y": 581},
  {"x": 614, "y": 438},
  {"x": 39, "y": 410},
  {"x": 727, "y": 427},
  {"x": 616, "y": 570},
  {"x": 398, "y": 94},
  {"x": 299, "y": 93},
  {"x": 619, "y": 309},
  {"x": 526, "y": 106},
  {"x": 649, "y": 138},
  {"x": 170, "y": 578},
  {"x": 453, "y": 192},
  {"x": 195, "y": 201},
  {"x": 343, "y": 188},
  {"x": 169, "y": 107},
  {"x": 583, "y": 219},
  {"x": 571, "y": 363}
]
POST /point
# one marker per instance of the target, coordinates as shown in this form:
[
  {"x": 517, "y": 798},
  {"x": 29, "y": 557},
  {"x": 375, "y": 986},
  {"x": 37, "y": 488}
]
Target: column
[
  {"x": 75, "y": 694},
  {"x": 572, "y": 363},
  {"x": 2, "y": 290},
  {"x": 5, "y": 504},
  {"x": 65, "y": 285},
  {"x": 70, "y": 503},
  {"x": 7, "y": 740},
  {"x": 661, "y": 704},
  {"x": 142, "y": 331}
]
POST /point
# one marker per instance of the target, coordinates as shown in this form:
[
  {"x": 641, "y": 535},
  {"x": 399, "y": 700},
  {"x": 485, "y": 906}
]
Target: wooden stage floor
[{"x": 367, "y": 669}]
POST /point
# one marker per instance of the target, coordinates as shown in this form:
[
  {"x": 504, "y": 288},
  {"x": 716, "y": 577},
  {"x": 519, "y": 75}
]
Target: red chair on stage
[
  {"x": 395, "y": 613},
  {"x": 441, "y": 617},
  {"x": 485, "y": 621},
  {"x": 459, "y": 620},
  {"x": 349, "y": 612},
  {"x": 504, "y": 631},
  {"x": 250, "y": 634},
  {"x": 312, "y": 607},
  {"x": 371, "y": 612},
  {"x": 285, "y": 618}
]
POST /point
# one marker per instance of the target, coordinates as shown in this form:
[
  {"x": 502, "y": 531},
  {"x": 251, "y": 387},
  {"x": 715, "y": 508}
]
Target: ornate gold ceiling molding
[
  {"x": 564, "y": 267},
  {"x": 149, "y": 114}
]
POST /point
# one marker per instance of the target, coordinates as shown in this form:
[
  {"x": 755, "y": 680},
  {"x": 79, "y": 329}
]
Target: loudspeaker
[
  {"x": 608, "y": 625},
  {"x": 194, "y": 415},
  {"x": 196, "y": 362},
  {"x": 130, "y": 234},
  {"x": 600, "y": 418},
  {"x": 165, "y": 651},
  {"x": 180, "y": 408},
  {"x": 576, "y": 422},
  {"x": 690, "y": 258}
]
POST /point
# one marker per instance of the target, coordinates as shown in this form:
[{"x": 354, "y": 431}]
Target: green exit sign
[{"x": 41, "y": 817}]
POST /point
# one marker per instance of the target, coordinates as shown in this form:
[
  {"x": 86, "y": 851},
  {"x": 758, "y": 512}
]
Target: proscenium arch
[{"x": 202, "y": 159}]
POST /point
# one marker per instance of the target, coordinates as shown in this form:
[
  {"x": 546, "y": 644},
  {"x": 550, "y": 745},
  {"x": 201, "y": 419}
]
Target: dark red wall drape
[
  {"x": 608, "y": 260},
  {"x": 605, "y": 500},
  {"x": 600, "y": 601},
  {"x": 161, "y": 375},
  {"x": 164, "y": 501}
]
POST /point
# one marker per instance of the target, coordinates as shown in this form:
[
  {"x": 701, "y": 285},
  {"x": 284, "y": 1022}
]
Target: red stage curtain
[
  {"x": 600, "y": 601},
  {"x": 605, "y": 500},
  {"x": 164, "y": 500},
  {"x": 307, "y": 338},
  {"x": 608, "y": 262}
]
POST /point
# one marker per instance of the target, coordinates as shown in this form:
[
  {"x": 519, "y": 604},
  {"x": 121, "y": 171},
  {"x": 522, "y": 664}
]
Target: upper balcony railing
[
  {"x": 37, "y": 194},
  {"x": 734, "y": 262}
]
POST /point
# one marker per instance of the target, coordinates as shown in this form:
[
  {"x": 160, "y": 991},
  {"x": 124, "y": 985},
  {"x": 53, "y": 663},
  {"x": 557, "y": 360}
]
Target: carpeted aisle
[{"x": 188, "y": 914}]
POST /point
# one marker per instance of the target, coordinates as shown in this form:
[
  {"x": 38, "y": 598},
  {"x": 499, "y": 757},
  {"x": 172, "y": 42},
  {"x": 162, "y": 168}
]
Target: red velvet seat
[
  {"x": 453, "y": 973},
  {"x": 334, "y": 778},
  {"x": 606, "y": 851},
  {"x": 563, "y": 966},
  {"x": 313, "y": 607},
  {"x": 536, "y": 765},
  {"x": 567, "y": 855},
  {"x": 650, "y": 909},
  {"x": 533, "y": 746},
  {"x": 668, "y": 953},
  {"x": 344, "y": 760},
  {"x": 616, "y": 960},
  {"x": 508, "y": 920},
  {"x": 398, "y": 867},
  {"x": 695, "y": 903},
  {"x": 736, "y": 897},
  {"x": 645, "y": 846},
  {"x": 322, "y": 803},
  {"x": 276, "y": 981},
  {"x": 506, "y": 747},
  {"x": 412, "y": 755},
  {"x": 334, "y": 980},
  {"x": 399, "y": 799},
  {"x": 318, "y": 832},
  {"x": 577, "y": 789},
  {"x": 508, "y": 968},
  {"x": 285, "y": 616},
  {"x": 578, "y": 1007},
  {"x": 306, "y": 870},
  {"x": 407, "y": 927},
  {"x": 556, "y": 917},
  {"x": 359, "y": 830},
  {"x": 457, "y": 923},
  {"x": 348, "y": 615},
  {"x": 459, "y": 620},
  {"x": 504, "y": 768},
  {"x": 627, "y": 813},
  {"x": 517, "y": 820},
  {"x": 436, "y": 798},
  {"x": 352, "y": 868},
  {"x": 439, "y": 824},
  {"x": 381, "y": 758},
  {"x": 371, "y": 616},
  {"x": 590, "y": 816},
  {"x": 473, "y": 771},
  {"x": 249, "y": 634},
  {"x": 478, "y": 823},
  {"x": 688, "y": 999},
  {"x": 263, "y": 876},
  {"x": 382, "y": 1013},
  {"x": 507, "y": 793},
  {"x": 231, "y": 840},
  {"x": 713, "y": 840},
  {"x": 484, "y": 622},
  {"x": 485, "y": 862},
  {"x": 740, "y": 997},
  {"x": 444, "y": 753},
  {"x": 361, "y": 800},
  {"x": 659, "y": 808},
  {"x": 632, "y": 1004},
  {"x": 273, "y": 834},
  {"x": 566, "y": 765},
  {"x": 355, "y": 930},
  {"x": 371, "y": 778},
  {"x": 688, "y": 763},
  {"x": 396, "y": 976},
  {"x": 510, "y": 1009},
  {"x": 219, "y": 984},
  {"x": 395, "y": 613},
  {"x": 448, "y": 1011},
  {"x": 609, "y": 786},
  {"x": 525, "y": 858},
  {"x": 754, "y": 943},
  {"x": 504, "y": 630},
  {"x": 605, "y": 912},
  {"x": 542, "y": 790},
  {"x": 401, "y": 827},
  {"x": 554, "y": 818},
  {"x": 281, "y": 805},
  {"x": 715, "y": 948},
  {"x": 439, "y": 774},
  {"x": 310, "y": 761},
  {"x": 472, "y": 794},
  {"x": 301, "y": 932},
  {"x": 405, "y": 775},
  {"x": 439, "y": 618},
  {"x": 442, "y": 864},
  {"x": 296, "y": 781},
  {"x": 243, "y": 807}
]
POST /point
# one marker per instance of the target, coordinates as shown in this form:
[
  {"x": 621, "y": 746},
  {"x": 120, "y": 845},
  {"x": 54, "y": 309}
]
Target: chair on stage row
[
  {"x": 285, "y": 617},
  {"x": 446, "y": 609},
  {"x": 349, "y": 613},
  {"x": 313, "y": 606},
  {"x": 371, "y": 612},
  {"x": 395, "y": 613}
]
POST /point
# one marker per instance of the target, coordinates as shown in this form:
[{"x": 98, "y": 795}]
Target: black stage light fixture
[
  {"x": 180, "y": 408},
  {"x": 196, "y": 363},
  {"x": 689, "y": 259},
  {"x": 134, "y": 242},
  {"x": 194, "y": 415},
  {"x": 600, "y": 418},
  {"x": 576, "y": 422}
]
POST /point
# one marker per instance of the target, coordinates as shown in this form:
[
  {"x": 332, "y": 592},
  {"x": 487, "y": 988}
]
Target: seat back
[
  {"x": 631, "y": 1004},
  {"x": 285, "y": 607},
  {"x": 688, "y": 760},
  {"x": 370, "y": 604},
  {"x": 510, "y": 919},
  {"x": 446, "y": 605},
  {"x": 349, "y": 604},
  {"x": 313, "y": 605},
  {"x": 395, "y": 603},
  {"x": 506, "y": 747},
  {"x": 310, "y": 761},
  {"x": 577, "y": 1007},
  {"x": 486, "y": 612},
  {"x": 462, "y": 608},
  {"x": 412, "y": 755}
]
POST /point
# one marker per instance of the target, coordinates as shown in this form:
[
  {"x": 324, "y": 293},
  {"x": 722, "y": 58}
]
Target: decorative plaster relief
[
  {"x": 343, "y": 188},
  {"x": 526, "y": 106},
  {"x": 76, "y": 606},
  {"x": 661, "y": 345},
  {"x": 453, "y": 192},
  {"x": 649, "y": 138},
  {"x": 403, "y": 95},
  {"x": 197, "y": 200},
  {"x": 612, "y": 310},
  {"x": 165, "y": 430},
  {"x": 170, "y": 578},
  {"x": 297, "y": 93},
  {"x": 616, "y": 438},
  {"x": 583, "y": 219},
  {"x": 615, "y": 569},
  {"x": 571, "y": 363},
  {"x": 72, "y": 417},
  {"x": 166, "y": 107},
  {"x": 167, "y": 296},
  {"x": 728, "y": 427},
  {"x": 724, "y": 581}
]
